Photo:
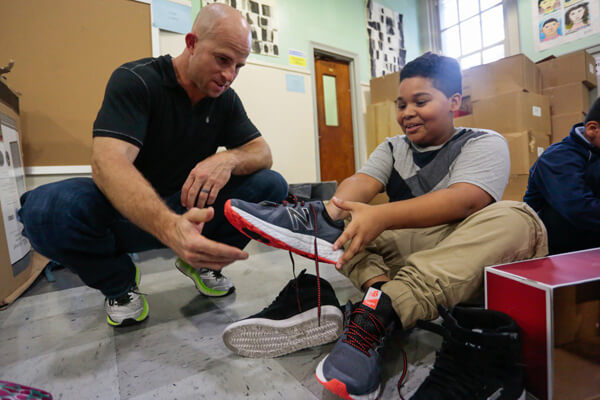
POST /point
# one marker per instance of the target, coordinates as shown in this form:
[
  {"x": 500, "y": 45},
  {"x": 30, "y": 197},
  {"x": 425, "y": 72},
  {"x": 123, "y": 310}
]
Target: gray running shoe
[
  {"x": 303, "y": 227},
  {"x": 209, "y": 282},
  {"x": 128, "y": 309}
]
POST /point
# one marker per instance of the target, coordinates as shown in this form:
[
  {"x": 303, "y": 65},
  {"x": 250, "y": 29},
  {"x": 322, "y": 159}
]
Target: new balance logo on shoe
[
  {"x": 372, "y": 298},
  {"x": 303, "y": 218}
]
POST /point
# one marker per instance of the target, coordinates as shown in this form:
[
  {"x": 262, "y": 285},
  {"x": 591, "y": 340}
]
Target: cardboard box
[
  {"x": 19, "y": 266},
  {"x": 569, "y": 98},
  {"x": 503, "y": 76},
  {"x": 525, "y": 147},
  {"x": 385, "y": 88},
  {"x": 513, "y": 112},
  {"x": 538, "y": 294},
  {"x": 562, "y": 124},
  {"x": 516, "y": 188},
  {"x": 576, "y": 67},
  {"x": 381, "y": 123},
  {"x": 464, "y": 121}
]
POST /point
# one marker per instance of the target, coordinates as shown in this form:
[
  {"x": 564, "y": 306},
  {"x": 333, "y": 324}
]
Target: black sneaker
[
  {"x": 304, "y": 228},
  {"x": 352, "y": 369},
  {"x": 480, "y": 358},
  {"x": 290, "y": 323}
]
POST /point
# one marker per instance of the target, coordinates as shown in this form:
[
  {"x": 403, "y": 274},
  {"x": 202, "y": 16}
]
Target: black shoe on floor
[
  {"x": 292, "y": 322},
  {"x": 480, "y": 358}
]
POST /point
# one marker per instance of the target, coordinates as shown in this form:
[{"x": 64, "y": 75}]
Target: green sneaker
[
  {"x": 128, "y": 309},
  {"x": 208, "y": 282}
]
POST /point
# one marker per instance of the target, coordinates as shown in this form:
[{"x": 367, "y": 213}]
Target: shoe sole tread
[{"x": 264, "y": 338}]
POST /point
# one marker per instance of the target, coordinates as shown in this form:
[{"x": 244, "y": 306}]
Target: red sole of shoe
[
  {"x": 336, "y": 387},
  {"x": 246, "y": 228}
]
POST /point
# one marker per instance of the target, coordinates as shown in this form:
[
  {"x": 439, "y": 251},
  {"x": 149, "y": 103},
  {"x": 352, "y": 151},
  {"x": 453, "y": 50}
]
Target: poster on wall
[
  {"x": 263, "y": 23},
  {"x": 12, "y": 186},
  {"x": 561, "y": 21},
  {"x": 386, "y": 39}
]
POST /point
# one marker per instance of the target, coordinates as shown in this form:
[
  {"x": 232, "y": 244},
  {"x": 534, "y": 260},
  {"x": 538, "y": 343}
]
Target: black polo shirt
[{"x": 145, "y": 106}]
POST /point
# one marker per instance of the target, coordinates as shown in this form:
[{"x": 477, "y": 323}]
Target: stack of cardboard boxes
[
  {"x": 381, "y": 113},
  {"x": 381, "y": 116},
  {"x": 567, "y": 80},
  {"x": 506, "y": 96}
]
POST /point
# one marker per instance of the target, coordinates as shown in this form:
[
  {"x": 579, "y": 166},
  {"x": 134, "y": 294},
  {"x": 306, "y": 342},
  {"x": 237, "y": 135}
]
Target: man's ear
[
  {"x": 592, "y": 129},
  {"x": 190, "y": 41},
  {"x": 455, "y": 102}
]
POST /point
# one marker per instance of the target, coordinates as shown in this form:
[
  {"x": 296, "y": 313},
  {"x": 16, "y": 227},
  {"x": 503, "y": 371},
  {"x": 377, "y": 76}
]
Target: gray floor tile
[{"x": 57, "y": 338}]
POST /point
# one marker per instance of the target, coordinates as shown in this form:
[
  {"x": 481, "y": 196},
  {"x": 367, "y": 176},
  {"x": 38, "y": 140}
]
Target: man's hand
[
  {"x": 206, "y": 180},
  {"x": 188, "y": 242},
  {"x": 365, "y": 226}
]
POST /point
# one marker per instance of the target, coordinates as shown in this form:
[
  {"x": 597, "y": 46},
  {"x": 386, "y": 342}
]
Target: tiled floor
[{"x": 56, "y": 338}]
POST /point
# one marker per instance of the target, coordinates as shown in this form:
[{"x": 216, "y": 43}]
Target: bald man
[{"x": 157, "y": 179}]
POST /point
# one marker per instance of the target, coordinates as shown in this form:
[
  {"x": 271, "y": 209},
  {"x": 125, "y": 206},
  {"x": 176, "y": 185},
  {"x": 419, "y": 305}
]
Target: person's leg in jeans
[{"x": 74, "y": 224}]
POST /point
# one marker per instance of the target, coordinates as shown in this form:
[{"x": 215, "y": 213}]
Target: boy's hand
[{"x": 364, "y": 228}]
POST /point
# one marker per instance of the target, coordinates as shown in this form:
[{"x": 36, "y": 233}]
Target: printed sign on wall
[
  {"x": 262, "y": 21},
  {"x": 386, "y": 39},
  {"x": 561, "y": 21}
]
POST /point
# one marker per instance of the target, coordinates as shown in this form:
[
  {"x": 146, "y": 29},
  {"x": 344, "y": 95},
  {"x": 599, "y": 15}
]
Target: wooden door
[{"x": 334, "y": 109}]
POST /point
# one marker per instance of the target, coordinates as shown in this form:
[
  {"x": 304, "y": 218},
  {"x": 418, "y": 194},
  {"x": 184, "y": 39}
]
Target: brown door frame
[{"x": 360, "y": 155}]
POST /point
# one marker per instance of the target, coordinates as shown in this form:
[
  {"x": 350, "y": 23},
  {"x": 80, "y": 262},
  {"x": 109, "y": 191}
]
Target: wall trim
[
  {"x": 59, "y": 170},
  {"x": 291, "y": 68}
]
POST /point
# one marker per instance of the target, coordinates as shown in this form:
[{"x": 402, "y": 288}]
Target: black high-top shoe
[
  {"x": 480, "y": 358},
  {"x": 303, "y": 315}
]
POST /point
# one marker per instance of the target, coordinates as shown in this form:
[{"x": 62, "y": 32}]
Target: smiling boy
[
  {"x": 444, "y": 223},
  {"x": 427, "y": 247}
]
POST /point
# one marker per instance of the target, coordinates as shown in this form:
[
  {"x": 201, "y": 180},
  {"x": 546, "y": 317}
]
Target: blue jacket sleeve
[{"x": 560, "y": 177}]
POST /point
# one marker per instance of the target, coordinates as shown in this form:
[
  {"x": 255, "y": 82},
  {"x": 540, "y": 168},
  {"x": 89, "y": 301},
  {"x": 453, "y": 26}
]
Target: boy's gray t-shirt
[{"x": 476, "y": 156}]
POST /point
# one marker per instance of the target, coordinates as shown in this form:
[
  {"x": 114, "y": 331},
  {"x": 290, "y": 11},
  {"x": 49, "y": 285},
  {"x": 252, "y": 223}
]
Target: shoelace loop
[
  {"x": 361, "y": 339},
  {"x": 124, "y": 299}
]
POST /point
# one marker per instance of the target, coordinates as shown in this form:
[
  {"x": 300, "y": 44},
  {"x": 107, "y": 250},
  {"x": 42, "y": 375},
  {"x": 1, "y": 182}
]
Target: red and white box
[{"x": 556, "y": 302}]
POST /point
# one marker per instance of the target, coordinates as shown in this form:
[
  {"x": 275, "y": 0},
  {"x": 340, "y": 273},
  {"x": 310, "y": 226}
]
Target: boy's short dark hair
[
  {"x": 594, "y": 113},
  {"x": 550, "y": 20},
  {"x": 443, "y": 71}
]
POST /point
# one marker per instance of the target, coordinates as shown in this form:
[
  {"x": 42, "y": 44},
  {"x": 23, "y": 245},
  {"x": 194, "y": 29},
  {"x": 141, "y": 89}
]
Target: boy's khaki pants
[{"x": 444, "y": 264}]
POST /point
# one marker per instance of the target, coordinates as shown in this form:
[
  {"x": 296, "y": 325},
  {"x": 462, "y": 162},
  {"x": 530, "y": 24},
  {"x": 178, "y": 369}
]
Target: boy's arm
[
  {"x": 454, "y": 203},
  {"x": 356, "y": 188}
]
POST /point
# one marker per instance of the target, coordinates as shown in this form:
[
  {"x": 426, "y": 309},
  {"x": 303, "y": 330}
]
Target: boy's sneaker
[
  {"x": 209, "y": 282},
  {"x": 480, "y": 358},
  {"x": 129, "y": 308},
  {"x": 304, "y": 228},
  {"x": 352, "y": 369},
  {"x": 290, "y": 323}
]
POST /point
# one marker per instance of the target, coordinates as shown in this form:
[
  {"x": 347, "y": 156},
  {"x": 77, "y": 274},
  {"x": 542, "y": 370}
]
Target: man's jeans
[{"x": 74, "y": 224}]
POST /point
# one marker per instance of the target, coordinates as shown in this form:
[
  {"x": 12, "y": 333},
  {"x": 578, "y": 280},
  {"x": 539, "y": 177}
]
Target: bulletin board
[
  {"x": 561, "y": 21},
  {"x": 64, "y": 53}
]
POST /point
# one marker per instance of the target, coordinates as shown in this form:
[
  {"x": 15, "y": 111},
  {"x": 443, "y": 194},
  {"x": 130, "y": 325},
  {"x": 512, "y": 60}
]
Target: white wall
[{"x": 285, "y": 119}]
